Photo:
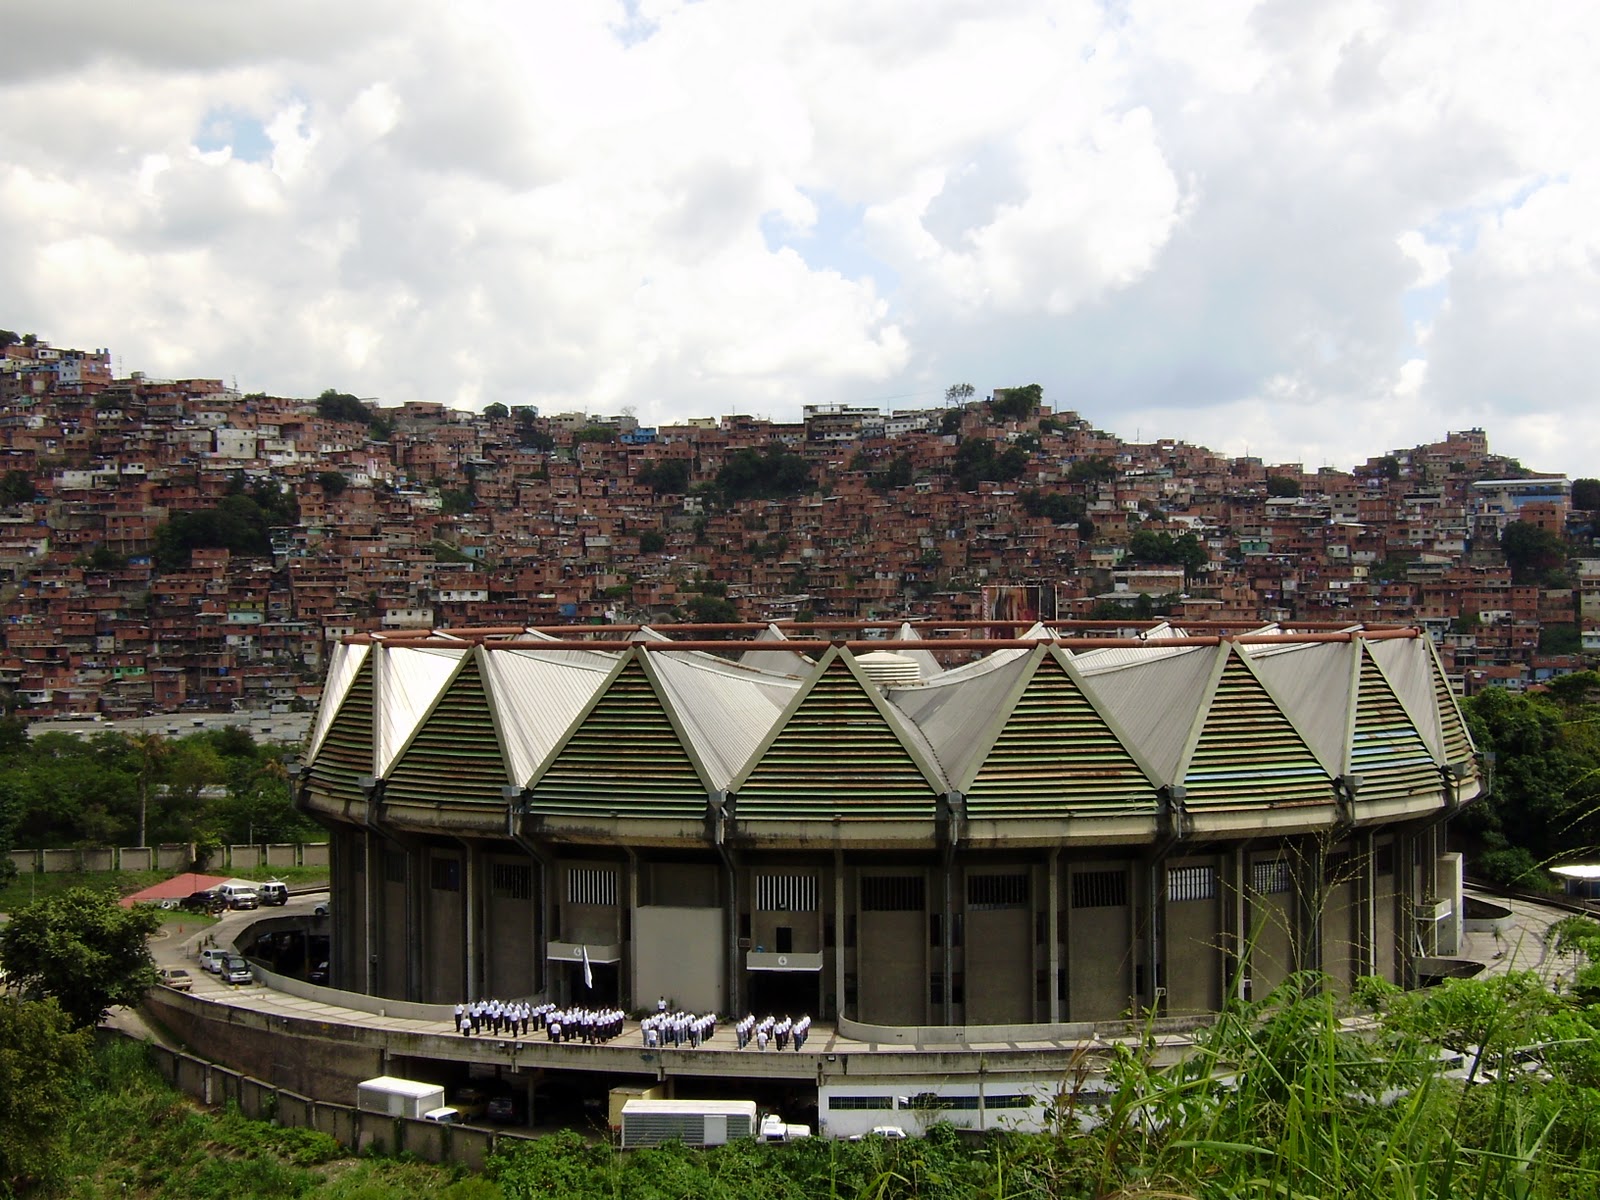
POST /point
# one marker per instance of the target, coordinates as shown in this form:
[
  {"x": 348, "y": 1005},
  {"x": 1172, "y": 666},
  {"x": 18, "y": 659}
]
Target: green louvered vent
[
  {"x": 625, "y": 759},
  {"x": 1386, "y": 749},
  {"x": 346, "y": 750},
  {"x": 1457, "y": 745},
  {"x": 1056, "y": 757},
  {"x": 836, "y": 756},
  {"x": 454, "y": 758},
  {"x": 1249, "y": 753}
]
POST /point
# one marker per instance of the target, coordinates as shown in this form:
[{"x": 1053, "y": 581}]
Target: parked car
[
  {"x": 321, "y": 908},
  {"x": 212, "y": 958},
  {"x": 318, "y": 973},
  {"x": 207, "y": 901},
  {"x": 177, "y": 979},
  {"x": 236, "y": 970},
  {"x": 273, "y": 893},
  {"x": 503, "y": 1110},
  {"x": 443, "y": 1116},
  {"x": 470, "y": 1102}
]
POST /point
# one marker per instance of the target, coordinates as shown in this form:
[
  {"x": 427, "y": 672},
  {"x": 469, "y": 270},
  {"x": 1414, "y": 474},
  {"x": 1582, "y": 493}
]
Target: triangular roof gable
[
  {"x": 1408, "y": 666},
  {"x": 1386, "y": 749},
  {"x": 1315, "y": 683},
  {"x": 1154, "y": 704},
  {"x": 1052, "y": 752},
  {"x": 456, "y": 752},
  {"x": 347, "y": 748},
  {"x": 407, "y": 682},
  {"x": 959, "y": 714},
  {"x": 537, "y": 695},
  {"x": 625, "y": 755},
  {"x": 1455, "y": 740},
  {"x": 1246, "y": 750},
  {"x": 839, "y": 750},
  {"x": 346, "y": 661},
  {"x": 724, "y": 709}
]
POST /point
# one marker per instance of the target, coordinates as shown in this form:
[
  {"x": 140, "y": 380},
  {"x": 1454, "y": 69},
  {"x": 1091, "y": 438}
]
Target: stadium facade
[{"x": 913, "y": 828}]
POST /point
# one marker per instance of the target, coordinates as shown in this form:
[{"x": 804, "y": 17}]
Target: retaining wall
[
  {"x": 217, "y": 1086},
  {"x": 176, "y": 856}
]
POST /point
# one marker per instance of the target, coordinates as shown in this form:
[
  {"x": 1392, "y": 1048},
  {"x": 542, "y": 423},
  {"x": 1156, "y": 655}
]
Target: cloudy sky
[{"x": 1306, "y": 231}]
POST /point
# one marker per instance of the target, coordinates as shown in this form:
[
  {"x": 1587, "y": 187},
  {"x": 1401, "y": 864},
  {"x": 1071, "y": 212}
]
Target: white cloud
[{"x": 1330, "y": 230}]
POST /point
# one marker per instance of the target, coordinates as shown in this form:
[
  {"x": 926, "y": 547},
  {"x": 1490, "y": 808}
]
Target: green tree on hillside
[
  {"x": 41, "y": 1060},
  {"x": 83, "y": 949},
  {"x": 1532, "y": 553},
  {"x": 1017, "y": 403}
]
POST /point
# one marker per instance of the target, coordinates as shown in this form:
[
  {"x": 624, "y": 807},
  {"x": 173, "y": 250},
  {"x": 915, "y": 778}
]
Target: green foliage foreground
[{"x": 1478, "y": 1088}]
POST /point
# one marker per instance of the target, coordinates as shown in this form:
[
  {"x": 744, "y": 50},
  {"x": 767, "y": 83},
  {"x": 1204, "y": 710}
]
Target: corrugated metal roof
[
  {"x": 771, "y": 661},
  {"x": 406, "y": 685},
  {"x": 1386, "y": 749},
  {"x": 454, "y": 756},
  {"x": 537, "y": 694},
  {"x": 1153, "y": 701},
  {"x": 1314, "y": 681},
  {"x": 343, "y": 664},
  {"x": 954, "y": 710},
  {"x": 931, "y": 667},
  {"x": 725, "y": 708},
  {"x": 1409, "y": 667},
  {"x": 1112, "y": 658},
  {"x": 1055, "y": 755}
]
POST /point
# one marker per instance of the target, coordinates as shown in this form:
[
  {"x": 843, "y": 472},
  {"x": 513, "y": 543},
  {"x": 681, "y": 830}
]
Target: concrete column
[
  {"x": 1052, "y": 933},
  {"x": 838, "y": 931},
  {"x": 629, "y": 983},
  {"x": 472, "y": 913},
  {"x": 369, "y": 946},
  {"x": 1310, "y": 897},
  {"x": 1238, "y": 928}
]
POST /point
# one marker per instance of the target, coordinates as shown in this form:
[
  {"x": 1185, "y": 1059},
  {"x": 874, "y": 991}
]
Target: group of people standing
[
  {"x": 771, "y": 1030},
  {"x": 503, "y": 1018},
  {"x": 663, "y": 1028}
]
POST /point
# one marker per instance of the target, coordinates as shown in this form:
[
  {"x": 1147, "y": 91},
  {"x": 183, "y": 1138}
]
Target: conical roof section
[
  {"x": 725, "y": 708},
  {"x": 1054, "y": 754},
  {"x": 346, "y": 750},
  {"x": 953, "y": 711},
  {"x": 1314, "y": 682},
  {"x": 538, "y": 694},
  {"x": 1247, "y": 753},
  {"x": 1386, "y": 749},
  {"x": 345, "y": 661},
  {"x": 1153, "y": 700},
  {"x": 407, "y": 685},
  {"x": 840, "y": 750},
  {"x": 625, "y": 756},
  {"x": 925, "y": 659},
  {"x": 454, "y": 755}
]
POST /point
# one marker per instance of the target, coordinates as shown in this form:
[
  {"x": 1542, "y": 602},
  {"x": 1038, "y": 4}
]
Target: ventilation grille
[
  {"x": 1056, "y": 757},
  {"x": 454, "y": 757},
  {"x": 836, "y": 756},
  {"x": 1249, "y": 754},
  {"x": 1386, "y": 750},
  {"x": 624, "y": 759},
  {"x": 346, "y": 750}
]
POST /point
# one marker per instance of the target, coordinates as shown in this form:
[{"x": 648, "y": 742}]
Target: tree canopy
[
  {"x": 763, "y": 475},
  {"x": 977, "y": 460},
  {"x": 1017, "y": 403},
  {"x": 16, "y": 487},
  {"x": 83, "y": 949},
  {"x": 496, "y": 411},
  {"x": 1586, "y": 494},
  {"x": 1531, "y": 552},
  {"x": 41, "y": 1059},
  {"x": 666, "y": 476},
  {"x": 240, "y": 524}
]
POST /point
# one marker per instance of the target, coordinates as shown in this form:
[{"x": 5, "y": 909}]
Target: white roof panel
[
  {"x": 773, "y": 662},
  {"x": 537, "y": 694},
  {"x": 1312, "y": 682},
  {"x": 343, "y": 664},
  {"x": 924, "y": 659},
  {"x": 404, "y": 687},
  {"x": 953, "y": 711},
  {"x": 1153, "y": 702},
  {"x": 725, "y": 708},
  {"x": 1408, "y": 666}
]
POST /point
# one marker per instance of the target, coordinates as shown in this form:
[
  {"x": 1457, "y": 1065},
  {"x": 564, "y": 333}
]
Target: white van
[{"x": 273, "y": 893}]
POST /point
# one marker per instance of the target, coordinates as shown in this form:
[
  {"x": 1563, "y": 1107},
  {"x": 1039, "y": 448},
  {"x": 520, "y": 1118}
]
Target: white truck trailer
[
  {"x": 692, "y": 1122},
  {"x": 399, "y": 1097}
]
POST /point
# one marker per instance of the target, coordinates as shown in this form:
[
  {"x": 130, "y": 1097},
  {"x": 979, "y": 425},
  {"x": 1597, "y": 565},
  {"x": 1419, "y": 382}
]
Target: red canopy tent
[{"x": 176, "y": 888}]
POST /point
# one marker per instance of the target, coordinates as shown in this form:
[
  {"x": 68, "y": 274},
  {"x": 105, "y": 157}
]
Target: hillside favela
[{"x": 177, "y": 544}]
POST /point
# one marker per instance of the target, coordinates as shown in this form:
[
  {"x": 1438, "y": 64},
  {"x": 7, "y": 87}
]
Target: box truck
[
  {"x": 692, "y": 1122},
  {"x": 399, "y": 1097}
]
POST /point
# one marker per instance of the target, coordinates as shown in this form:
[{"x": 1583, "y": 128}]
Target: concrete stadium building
[{"x": 915, "y": 828}]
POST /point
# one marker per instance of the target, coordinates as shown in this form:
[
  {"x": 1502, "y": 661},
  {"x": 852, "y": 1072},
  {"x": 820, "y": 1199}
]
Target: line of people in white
[
  {"x": 781, "y": 1032},
  {"x": 664, "y": 1028}
]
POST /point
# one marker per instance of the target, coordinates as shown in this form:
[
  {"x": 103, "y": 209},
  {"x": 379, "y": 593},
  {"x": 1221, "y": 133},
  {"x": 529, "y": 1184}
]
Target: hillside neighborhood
[{"x": 170, "y": 545}]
